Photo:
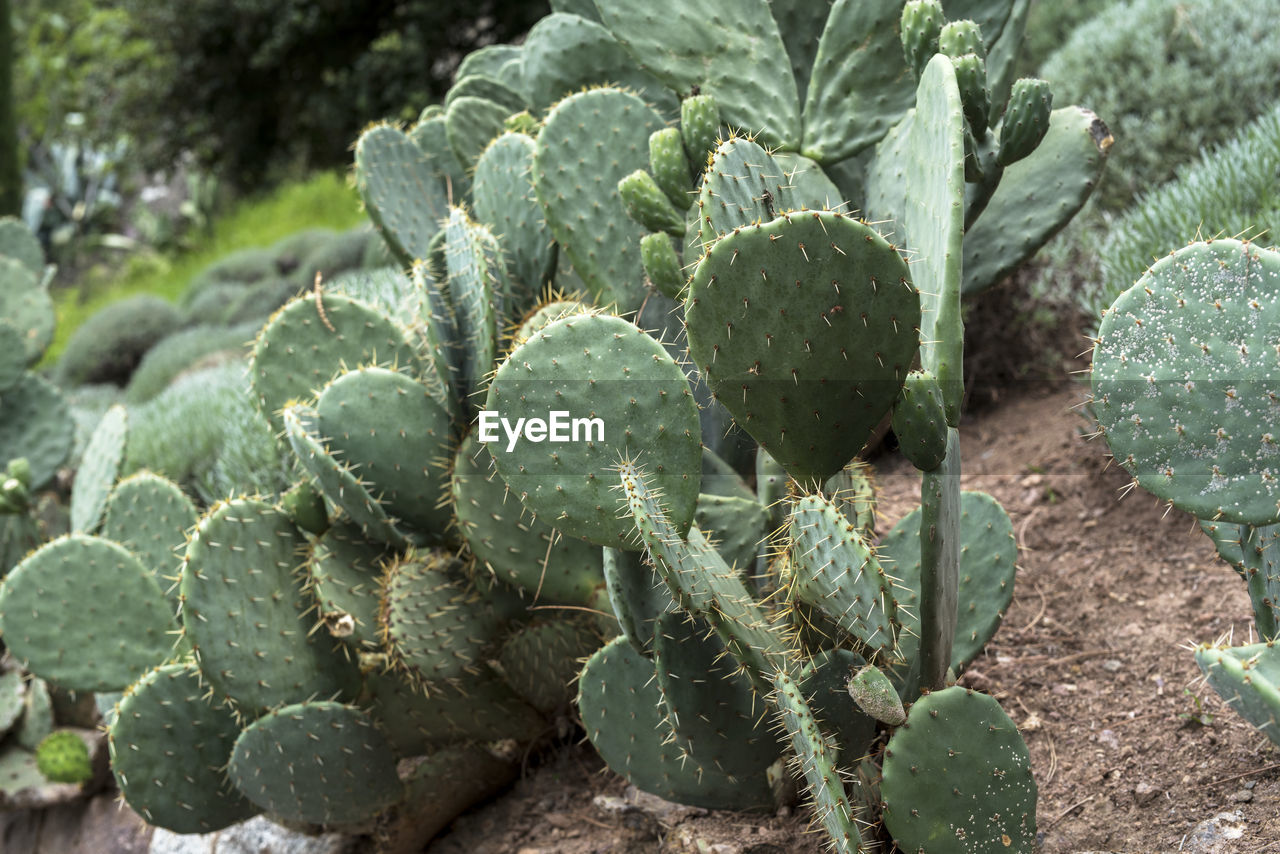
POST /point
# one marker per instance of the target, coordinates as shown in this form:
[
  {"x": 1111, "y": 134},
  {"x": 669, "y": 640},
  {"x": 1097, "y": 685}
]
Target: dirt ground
[{"x": 1131, "y": 750}]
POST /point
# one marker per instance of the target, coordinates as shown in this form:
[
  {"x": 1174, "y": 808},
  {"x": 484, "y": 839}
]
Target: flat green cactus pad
[
  {"x": 403, "y": 189},
  {"x": 735, "y": 525},
  {"x": 345, "y": 569},
  {"x": 712, "y": 712},
  {"x": 517, "y": 547},
  {"x": 320, "y": 762},
  {"x": 637, "y": 594},
  {"x": 336, "y": 480},
  {"x": 916, "y": 180},
  {"x": 622, "y": 711},
  {"x": 804, "y": 328},
  {"x": 1037, "y": 196},
  {"x": 84, "y": 613},
  {"x": 591, "y": 141},
  {"x": 596, "y": 367},
  {"x": 17, "y": 242},
  {"x": 860, "y": 84},
  {"x": 834, "y": 569},
  {"x": 151, "y": 517},
  {"x": 12, "y": 693},
  {"x": 246, "y": 611},
  {"x": 988, "y": 553},
  {"x": 37, "y": 714},
  {"x": 35, "y": 423},
  {"x": 26, "y": 304},
  {"x": 505, "y": 201},
  {"x": 566, "y": 52},
  {"x": 98, "y": 470},
  {"x": 312, "y": 339},
  {"x": 395, "y": 437},
  {"x": 957, "y": 778},
  {"x": 13, "y": 357},
  {"x": 435, "y": 628},
  {"x": 1185, "y": 382},
  {"x": 169, "y": 748},
  {"x": 540, "y": 661},
  {"x": 1248, "y": 678},
  {"x": 730, "y": 49}
]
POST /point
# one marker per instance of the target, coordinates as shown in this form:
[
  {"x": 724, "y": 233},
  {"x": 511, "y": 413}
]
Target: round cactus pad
[
  {"x": 520, "y": 549},
  {"x": 804, "y": 328},
  {"x": 395, "y": 437},
  {"x": 1186, "y": 381},
  {"x": 603, "y": 368},
  {"x": 26, "y": 304},
  {"x": 312, "y": 339},
  {"x": 169, "y": 748},
  {"x": 151, "y": 517},
  {"x": 957, "y": 778},
  {"x": 246, "y": 611},
  {"x": 321, "y": 762},
  {"x": 86, "y": 614},
  {"x": 35, "y": 423},
  {"x": 623, "y": 713}
]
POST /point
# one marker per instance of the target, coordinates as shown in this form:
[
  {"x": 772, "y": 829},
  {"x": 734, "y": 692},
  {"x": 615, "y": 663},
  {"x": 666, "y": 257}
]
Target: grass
[{"x": 324, "y": 200}]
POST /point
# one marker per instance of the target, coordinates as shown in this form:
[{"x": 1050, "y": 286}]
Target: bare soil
[{"x": 1131, "y": 750}]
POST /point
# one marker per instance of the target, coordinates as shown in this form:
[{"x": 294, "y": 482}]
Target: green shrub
[
  {"x": 1231, "y": 191},
  {"x": 242, "y": 267},
  {"x": 184, "y": 432},
  {"x": 342, "y": 253},
  {"x": 108, "y": 346},
  {"x": 1169, "y": 77},
  {"x": 180, "y": 351},
  {"x": 1049, "y": 25}
]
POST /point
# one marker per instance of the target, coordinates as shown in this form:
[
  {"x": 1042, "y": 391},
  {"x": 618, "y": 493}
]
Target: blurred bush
[
  {"x": 1169, "y": 77},
  {"x": 1231, "y": 191},
  {"x": 1049, "y": 24},
  {"x": 255, "y": 86}
]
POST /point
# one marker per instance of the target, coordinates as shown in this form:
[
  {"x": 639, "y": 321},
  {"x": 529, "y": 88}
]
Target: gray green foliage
[
  {"x": 1157, "y": 71},
  {"x": 108, "y": 346}
]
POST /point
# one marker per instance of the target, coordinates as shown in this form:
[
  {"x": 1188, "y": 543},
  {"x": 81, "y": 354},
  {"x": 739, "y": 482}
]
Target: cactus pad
[
  {"x": 98, "y": 470},
  {"x": 592, "y": 140},
  {"x": 319, "y": 762},
  {"x": 436, "y": 629},
  {"x": 518, "y": 548},
  {"x": 395, "y": 437},
  {"x": 402, "y": 189},
  {"x": 84, "y": 613},
  {"x": 622, "y": 711},
  {"x": 505, "y": 201},
  {"x": 919, "y": 421},
  {"x": 1248, "y": 679},
  {"x": 1185, "y": 382},
  {"x": 151, "y": 517},
  {"x": 244, "y": 611},
  {"x": 588, "y": 367},
  {"x": 730, "y": 49},
  {"x": 314, "y": 338},
  {"x": 988, "y": 553},
  {"x": 957, "y": 778},
  {"x": 169, "y": 747},
  {"x": 26, "y": 304},
  {"x": 345, "y": 569},
  {"x": 36, "y": 424},
  {"x": 804, "y": 328}
]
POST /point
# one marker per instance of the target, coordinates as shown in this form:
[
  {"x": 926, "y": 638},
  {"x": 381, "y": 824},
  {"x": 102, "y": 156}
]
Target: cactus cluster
[
  {"x": 1186, "y": 393},
  {"x": 670, "y": 266}
]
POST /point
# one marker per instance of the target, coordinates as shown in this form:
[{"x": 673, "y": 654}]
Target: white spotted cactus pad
[
  {"x": 1186, "y": 381},
  {"x": 957, "y": 778}
]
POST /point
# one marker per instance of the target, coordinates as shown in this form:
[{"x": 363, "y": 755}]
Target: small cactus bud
[
  {"x": 1026, "y": 119},
  {"x": 921, "y": 23},
  {"x": 63, "y": 758},
  {"x": 661, "y": 264},
  {"x": 670, "y": 166},
  {"x": 648, "y": 206},
  {"x": 960, "y": 37},
  {"x": 919, "y": 421},
  {"x": 700, "y": 127},
  {"x": 305, "y": 506},
  {"x": 971, "y": 77},
  {"x": 875, "y": 695},
  {"x": 21, "y": 470}
]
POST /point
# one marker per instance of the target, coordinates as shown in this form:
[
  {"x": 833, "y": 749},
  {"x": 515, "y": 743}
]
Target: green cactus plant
[{"x": 1184, "y": 392}]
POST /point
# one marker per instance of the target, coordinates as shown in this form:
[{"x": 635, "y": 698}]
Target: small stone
[
  {"x": 1216, "y": 835},
  {"x": 1243, "y": 796},
  {"x": 1144, "y": 793},
  {"x": 1111, "y": 665},
  {"x": 1108, "y": 738}
]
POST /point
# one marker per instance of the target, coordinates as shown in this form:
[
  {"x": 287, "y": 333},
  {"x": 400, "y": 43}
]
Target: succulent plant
[{"x": 1185, "y": 393}]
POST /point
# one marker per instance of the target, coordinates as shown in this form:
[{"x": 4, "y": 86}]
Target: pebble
[{"x": 1144, "y": 793}]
